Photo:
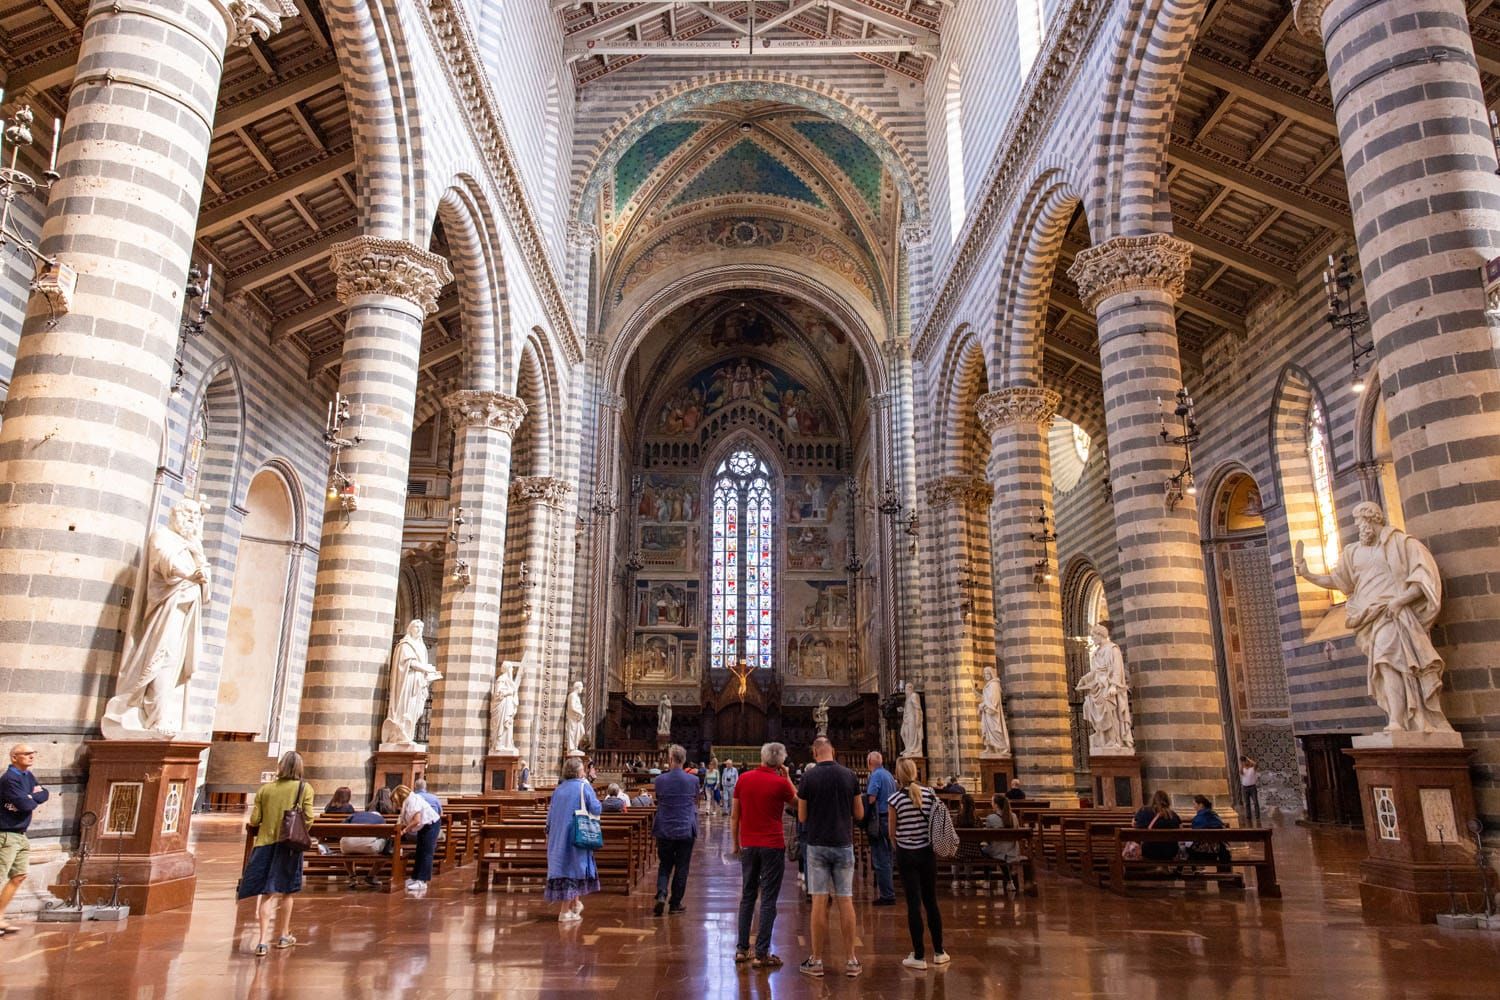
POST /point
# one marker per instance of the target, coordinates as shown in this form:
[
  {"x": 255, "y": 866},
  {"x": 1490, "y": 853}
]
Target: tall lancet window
[
  {"x": 741, "y": 588},
  {"x": 1322, "y": 484}
]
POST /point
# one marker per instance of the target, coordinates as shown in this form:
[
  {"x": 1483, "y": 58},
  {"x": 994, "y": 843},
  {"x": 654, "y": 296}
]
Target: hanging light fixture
[
  {"x": 1044, "y": 536},
  {"x": 1338, "y": 280},
  {"x": 1180, "y": 483}
]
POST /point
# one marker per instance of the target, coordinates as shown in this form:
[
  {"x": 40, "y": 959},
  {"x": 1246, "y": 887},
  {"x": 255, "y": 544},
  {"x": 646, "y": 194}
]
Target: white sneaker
[
  {"x": 569, "y": 917},
  {"x": 411, "y": 883},
  {"x": 941, "y": 958},
  {"x": 911, "y": 961}
]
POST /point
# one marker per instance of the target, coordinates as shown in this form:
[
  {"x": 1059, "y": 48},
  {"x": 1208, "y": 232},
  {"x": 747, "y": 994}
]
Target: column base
[
  {"x": 501, "y": 770},
  {"x": 1418, "y": 803},
  {"x": 1116, "y": 779},
  {"x": 399, "y": 767},
  {"x": 995, "y": 774},
  {"x": 142, "y": 792}
]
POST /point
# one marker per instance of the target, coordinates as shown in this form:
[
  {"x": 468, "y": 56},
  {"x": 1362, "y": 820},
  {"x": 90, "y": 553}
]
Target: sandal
[
  {"x": 261, "y": 951},
  {"x": 285, "y": 941},
  {"x": 767, "y": 961},
  {"x": 741, "y": 956}
]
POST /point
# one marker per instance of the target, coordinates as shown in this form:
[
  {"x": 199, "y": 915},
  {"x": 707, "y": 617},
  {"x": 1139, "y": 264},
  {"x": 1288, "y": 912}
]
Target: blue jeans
[
  {"x": 880, "y": 856},
  {"x": 761, "y": 869},
  {"x": 830, "y": 870},
  {"x": 427, "y": 839}
]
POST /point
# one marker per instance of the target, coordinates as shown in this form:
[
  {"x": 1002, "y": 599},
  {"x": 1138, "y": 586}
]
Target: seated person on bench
[
  {"x": 643, "y": 799},
  {"x": 1007, "y": 852},
  {"x": 342, "y": 803},
  {"x": 1206, "y": 819},
  {"x": 614, "y": 800},
  {"x": 1158, "y": 816},
  {"x": 380, "y": 807}
]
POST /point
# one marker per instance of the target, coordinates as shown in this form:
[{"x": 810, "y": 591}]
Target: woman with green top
[{"x": 274, "y": 870}]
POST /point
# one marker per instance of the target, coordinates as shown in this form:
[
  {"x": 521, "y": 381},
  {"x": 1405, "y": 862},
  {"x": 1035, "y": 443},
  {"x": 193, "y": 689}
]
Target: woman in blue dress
[{"x": 571, "y": 874}]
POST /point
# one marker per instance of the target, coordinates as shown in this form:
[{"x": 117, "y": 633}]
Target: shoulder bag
[
  {"x": 294, "y": 826},
  {"x": 940, "y": 830},
  {"x": 588, "y": 834},
  {"x": 1132, "y": 849}
]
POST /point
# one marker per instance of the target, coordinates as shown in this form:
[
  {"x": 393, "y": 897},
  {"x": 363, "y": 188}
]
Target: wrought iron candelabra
[{"x": 52, "y": 278}]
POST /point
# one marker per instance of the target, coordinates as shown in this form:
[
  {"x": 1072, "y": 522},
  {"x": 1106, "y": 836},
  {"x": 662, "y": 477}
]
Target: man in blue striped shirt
[{"x": 878, "y": 791}]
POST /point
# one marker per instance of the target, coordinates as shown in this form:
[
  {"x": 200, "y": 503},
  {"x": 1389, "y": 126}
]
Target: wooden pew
[
  {"x": 328, "y": 830},
  {"x": 1049, "y": 829},
  {"x": 516, "y": 848},
  {"x": 1262, "y": 861},
  {"x": 1074, "y": 835},
  {"x": 990, "y": 868}
]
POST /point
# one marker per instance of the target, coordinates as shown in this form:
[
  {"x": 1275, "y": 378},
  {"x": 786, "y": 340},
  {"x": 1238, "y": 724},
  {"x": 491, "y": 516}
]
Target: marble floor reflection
[{"x": 1071, "y": 941}]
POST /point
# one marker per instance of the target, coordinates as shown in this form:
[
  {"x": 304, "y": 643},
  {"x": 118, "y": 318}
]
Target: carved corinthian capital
[
  {"x": 546, "y": 490},
  {"x": 1128, "y": 263},
  {"x": 1016, "y": 404},
  {"x": 959, "y": 491},
  {"x": 915, "y": 234},
  {"x": 582, "y": 235},
  {"x": 248, "y": 18},
  {"x": 1307, "y": 15},
  {"x": 485, "y": 408},
  {"x": 368, "y": 265}
]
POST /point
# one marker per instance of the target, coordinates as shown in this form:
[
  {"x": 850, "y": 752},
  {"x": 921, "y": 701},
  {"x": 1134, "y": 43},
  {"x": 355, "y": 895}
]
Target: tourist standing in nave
[
  {"x": 1250, "y": 786},
  {"x": 675, "y": 829},
  {"x": 756, "y": 832},
  {"x": 20, "y": 794},
  {"x": 912, "y": 806},
  {"x": 571, "y": 873},
  {"x": 828, "y": 804},
  {"x": 273, "y": 872},
  {"x": 711, "y": 782},
  {"x": 878, "y": 791},
  {"x": 727, "y": 779}
]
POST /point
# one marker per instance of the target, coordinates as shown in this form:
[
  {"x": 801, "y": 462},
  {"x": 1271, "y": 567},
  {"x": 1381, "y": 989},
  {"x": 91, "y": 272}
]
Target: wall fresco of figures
[{"x": 742, "y": 379}]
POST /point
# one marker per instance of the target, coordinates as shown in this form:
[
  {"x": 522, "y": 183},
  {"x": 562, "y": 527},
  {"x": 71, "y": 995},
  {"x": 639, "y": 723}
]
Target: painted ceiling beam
[{"x": 575, "y": 49}]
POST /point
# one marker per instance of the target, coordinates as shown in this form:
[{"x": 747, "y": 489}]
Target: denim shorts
[{"x": 830, "y": 871}]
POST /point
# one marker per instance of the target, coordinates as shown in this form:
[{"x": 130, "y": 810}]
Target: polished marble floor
[{"x": 1071, "y": 941}]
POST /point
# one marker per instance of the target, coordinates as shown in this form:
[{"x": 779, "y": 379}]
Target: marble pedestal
[
  {"x": 142, "y": 791},
  {"x": 502, "y": 771},
  {"x": 1418, "y": 801},
  {"x": 994, "y": 775},
  {"x": 399, "y": 767},
  {"x": 1116, "y": 779}
]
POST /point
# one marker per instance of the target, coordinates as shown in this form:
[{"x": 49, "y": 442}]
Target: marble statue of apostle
[
  {"x": 573, "y": 718},
  {"x": 1395, "y": 594},
  {"x": 411, "y": 678},
  {"x": 505, "y": 702},
  {"x": 992, "y": 732},
  {"x": 1106, "y": 695},
  {"x": 156, "y": 666},
  {"x": 911, "y": 723},
  {"x": 664, "y": 716}
]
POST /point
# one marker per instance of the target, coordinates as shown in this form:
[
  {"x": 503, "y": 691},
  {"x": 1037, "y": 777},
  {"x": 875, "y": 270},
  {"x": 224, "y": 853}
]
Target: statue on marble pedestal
[
  {"x": 1395, "y": 595},
  {"x": 1106, "y": 696},
  {"x": 411, "y": 678},
  {"x": 664, "y": 716},
  {"x": 992, "y": 733},
  {"x": 820, "y": 716},
  {"x": 911, "y": 723},
  {"x": 505, "y": 701},
  {"x": 156, "y": 666},
  {"x": 573, "y": 719}
]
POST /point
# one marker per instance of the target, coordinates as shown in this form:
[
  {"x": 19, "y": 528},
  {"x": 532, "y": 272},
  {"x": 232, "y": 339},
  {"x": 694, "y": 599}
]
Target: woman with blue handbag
[{"x": 573, "y": 835}]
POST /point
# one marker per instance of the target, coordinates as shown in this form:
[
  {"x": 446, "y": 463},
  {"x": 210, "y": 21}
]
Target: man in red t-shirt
[{"x": 760, "y": 798}]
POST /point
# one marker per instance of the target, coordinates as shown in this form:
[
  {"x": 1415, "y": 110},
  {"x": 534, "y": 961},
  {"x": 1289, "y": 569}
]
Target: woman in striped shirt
[{"x": 912, "y": 806}]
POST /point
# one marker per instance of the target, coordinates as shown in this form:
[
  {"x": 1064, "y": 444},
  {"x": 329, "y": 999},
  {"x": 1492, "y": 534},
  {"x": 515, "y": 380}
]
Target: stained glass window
[
  {"x": 741, "y": 572},
  {"x": 1322, "y": 482}
]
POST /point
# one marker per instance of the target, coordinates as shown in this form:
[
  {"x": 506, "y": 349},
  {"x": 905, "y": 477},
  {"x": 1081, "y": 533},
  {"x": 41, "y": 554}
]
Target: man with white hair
[
  {"x": 20, "y": 794},
  {"x": 760, "y": 800},
  {"x": 878, "y": 790}
]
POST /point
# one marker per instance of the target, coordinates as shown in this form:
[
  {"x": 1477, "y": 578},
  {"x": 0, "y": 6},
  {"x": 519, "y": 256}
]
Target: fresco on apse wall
[
  {"x": 666, "y": 605},
  {"x": 817, "y": 631},
  {"x": 665, "y": 658},
  {"x": 669, "y": 547},
  {"x": 742, "y": 379},
  {"x": 815, "y": 500},
  {"x": 813, "y": 550},
  {"x": 668, "y": 500}
]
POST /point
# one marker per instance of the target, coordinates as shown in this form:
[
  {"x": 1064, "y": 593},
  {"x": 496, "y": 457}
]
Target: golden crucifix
[{"x": 743, "y": 673}]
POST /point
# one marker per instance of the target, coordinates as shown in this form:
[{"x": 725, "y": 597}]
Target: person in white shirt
[
  {"x": 418, "y": 817},
  {"x": 1250, "y": 785}
]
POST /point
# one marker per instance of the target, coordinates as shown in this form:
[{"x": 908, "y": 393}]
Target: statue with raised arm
[
  {"x": 664, "y": 716},
  {"x": 505, "y": 701},
  {"x": 168, "y": 640},
  {"x": 1106, "y": 695},
  {"x": 992, "y": 732},
  {"x": 911, "y": 723},
  {"x": 411, "y": 678},
  {"x": 820, "y": 716},
  {"x": 1395, "y": 594},
  {"x": 573, "y": 718}
]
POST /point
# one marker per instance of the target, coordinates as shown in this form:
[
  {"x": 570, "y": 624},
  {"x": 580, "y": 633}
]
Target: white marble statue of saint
[
  {"x": 820, "y": 716},
  {"x": 664, "y": 716},
  {"x": 1106, "y": 696},
  {"x": 411, "y": 678},
  {"x": 168, "y": 640},
  {"x": 911, "y": 723},
  {"x": 505, "y": 701},
  {"x": 992, "y": 733},
  {"x": 1395, "y": 594},
  {"x": 573, "y": 718}
]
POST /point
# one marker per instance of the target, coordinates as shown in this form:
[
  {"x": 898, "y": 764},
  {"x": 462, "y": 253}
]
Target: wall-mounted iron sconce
[
  {"x": 1338, "y": 280},
  {"x": 53, "y": 279},
  {"x": 194, "y": 320},
  {"x": 1180, "y": 484},
  {"x": 1045, "y": 536},
  {"x": 458, "y": 537},
  {"x": 341, "y": 487}
]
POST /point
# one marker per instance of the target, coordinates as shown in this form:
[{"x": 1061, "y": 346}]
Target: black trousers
[
  {"x": 919, "y": 880},
  {"x": 673, "y": 858}
]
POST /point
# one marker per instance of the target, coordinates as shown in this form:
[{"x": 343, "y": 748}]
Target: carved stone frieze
[
  {"x": 248, "y": 18},
  {"x": 583, "y": 235},
  {"x": 959, "y": 491},
  {"x": 1016, "y": 404},
  {"x": 546, "y": 490},
  {"x": 485, "y": 408},
  {"x": 1130, "y": 263},
  {"x": 369, "y": 265},
  {"x": 915, "y": 234}
]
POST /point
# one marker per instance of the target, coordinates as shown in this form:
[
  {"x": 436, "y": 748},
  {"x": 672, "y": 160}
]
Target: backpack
[{"x": 940, "y": 830}]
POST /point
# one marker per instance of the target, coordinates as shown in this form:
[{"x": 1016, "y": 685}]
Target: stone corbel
[
  {"x": 55, "y": 282},
  {"x": 249, "y": 18},
  {"x": 1129, "y": 263},
  {"x": 915, "y": 234}
]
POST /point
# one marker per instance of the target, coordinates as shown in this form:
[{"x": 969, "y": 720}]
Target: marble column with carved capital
[
  {"x": 388, "y": 287},
  {"x": 1132, "y": 283},
  {"x": 475, "y": 591},
  {"x": 1029, "y": 645},
  {"x": 86, "y": 404}
]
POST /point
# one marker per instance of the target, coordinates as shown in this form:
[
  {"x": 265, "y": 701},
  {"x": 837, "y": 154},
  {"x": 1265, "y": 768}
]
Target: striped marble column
[
  {"x": 528, "y": 619},
  {"x": 1029, "y": 632},
  {"x": 1132, "y": 284},
  {"x": 388, "y": 287},
  {"x": 484, "y": 424},
  {"x": 86, "y": 406},
  {"x": 1426, "y": 202}
]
